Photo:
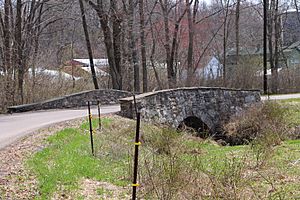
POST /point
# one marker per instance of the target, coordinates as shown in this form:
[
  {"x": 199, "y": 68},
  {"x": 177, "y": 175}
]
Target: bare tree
[
  {"x": 117, "y": 20},
  {"x": 171, "y": 46},
  {"x": 143, "y": 45},
  {"x": 277, "y": 29},
  {"x": 112, "y": 39},
  {"x": 274, "y": 30},
  {"x": 5, "y": 23},
  {"x": 88, "y": 45},
  {"x": 237, "y": 31},
  {"x": 132, "y": 47},
  {"x": 21, "y": 24},
  {"x": 18, "y": 49},
  {"x": 226, "y": 24},
  {"x": 153, "y": 48},
  {"x": 191, "y": 22}
]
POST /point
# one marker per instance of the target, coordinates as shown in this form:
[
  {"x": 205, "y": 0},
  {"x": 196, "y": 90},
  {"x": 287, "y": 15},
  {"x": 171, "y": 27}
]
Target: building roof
[
  {"x": 84, "y": 64},
  {"x": 291, "y": 10},
  {"x": 293, "y": 46},
  {"x": 97, "y": 70},
  {"x": 52, "y": 73},
  {"x": 97, "y": 62}
]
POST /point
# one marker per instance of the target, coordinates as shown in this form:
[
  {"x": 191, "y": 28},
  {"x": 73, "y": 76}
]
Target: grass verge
[{"x": 68, "y": 159}]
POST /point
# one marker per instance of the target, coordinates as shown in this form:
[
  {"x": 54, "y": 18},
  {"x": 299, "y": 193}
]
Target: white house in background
[
  {"x": 97, "y": 69},
  {"x": 52, "y": 73},
  {"x": 97, "y": 62},
  {"x": 212, "y": 70},
  {"x": 100, "y": 65},
  {"x": 269, "y": 72}
]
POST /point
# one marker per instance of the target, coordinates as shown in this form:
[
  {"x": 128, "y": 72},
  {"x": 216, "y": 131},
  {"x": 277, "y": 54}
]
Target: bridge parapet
[
  {"x": 105, "y": 97},
  {"x": 213, "y": 106}
]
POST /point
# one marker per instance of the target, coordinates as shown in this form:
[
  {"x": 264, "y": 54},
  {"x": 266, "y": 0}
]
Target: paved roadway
[
  {"x": 14, "y": 126},
  {"x": 281, "y": 96}
]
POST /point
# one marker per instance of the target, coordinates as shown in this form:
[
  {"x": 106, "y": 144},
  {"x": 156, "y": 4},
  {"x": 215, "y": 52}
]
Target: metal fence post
[
  {"x": 91, "y": 127},
  {"x": 99, "y": 116},
  {"x": 136, "y": 156}
]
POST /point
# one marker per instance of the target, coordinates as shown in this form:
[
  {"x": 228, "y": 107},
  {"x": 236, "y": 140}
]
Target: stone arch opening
[{"x": 195, "y": 124}]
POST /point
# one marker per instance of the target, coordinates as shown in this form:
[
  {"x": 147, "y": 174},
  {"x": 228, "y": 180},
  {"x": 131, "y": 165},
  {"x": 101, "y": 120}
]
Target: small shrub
[
  {"x": 164, "y": 175},
  {"x": 267, "y": 119},
  {"x": 296, "y": 132},
  {"x": 161, "y": 140},
  {"x": 161, "y": 163},
  {"x": 226, "y": 177},
  {"x": 262, "y": 149}
]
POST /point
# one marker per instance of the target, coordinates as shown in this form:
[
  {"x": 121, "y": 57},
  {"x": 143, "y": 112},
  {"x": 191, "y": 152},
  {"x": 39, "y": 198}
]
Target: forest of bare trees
[{"x": 149, "y": 44}]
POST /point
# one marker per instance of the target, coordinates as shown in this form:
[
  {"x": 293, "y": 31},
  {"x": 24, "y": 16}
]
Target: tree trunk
[
  {"x": 88, "y": 45},
  {"x": 132, "y": 48},
  {"x": 115, "y": 71},
  {"x": 277, "y": 31},
  {"x": 173, "y": 71},
  {"x": 7, "y": 54},
  {"x": 72, "y": 57},
  {"x": 18, "y": 50},
  {"x": 271, "y": 15},
  {"x": 115, "y": 74},
  {"x": 265, "y": 46},
  {"x": 152, "y": 56},
  {"x": 189, "y": 78},
  {"x": 170, "y": 50},
  {"x": 225, "y": 37},
  {"x": 117, "y": 36},
  {"x": 237, "y": 32},
  {"x": 143, "y": 45},
  {"x": 170, "y": 70},
  {"x": 35, "y": 51}
]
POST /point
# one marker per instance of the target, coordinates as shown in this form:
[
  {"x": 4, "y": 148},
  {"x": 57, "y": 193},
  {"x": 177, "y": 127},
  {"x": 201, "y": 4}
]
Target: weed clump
[
  {"x": 161, "y": 140},
  {"x": 265, "y": 122},
  {"x": 161, "y": 165}
]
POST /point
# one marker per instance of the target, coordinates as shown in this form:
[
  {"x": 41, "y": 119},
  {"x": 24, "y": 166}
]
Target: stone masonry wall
[
  {"x": 212, "y": 105},
  {"x": 105, "y": 97}
]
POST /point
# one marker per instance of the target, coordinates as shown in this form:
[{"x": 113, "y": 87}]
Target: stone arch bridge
[{"x": 212, "y": 106}]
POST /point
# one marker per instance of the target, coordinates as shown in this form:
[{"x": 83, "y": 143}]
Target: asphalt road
[
  {"x": 14, "y": 126},
  {"x": 281, "y": 96}
]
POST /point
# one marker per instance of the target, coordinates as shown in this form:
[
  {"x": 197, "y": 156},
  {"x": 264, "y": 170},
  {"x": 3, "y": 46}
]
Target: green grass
[
  {"x": 67, "y": 159},
  {"x": 294, "y": 100},
  {"x": 105, "y": 122},
  {"x": 211, "y": 150},
  {"x": 293, "y": 114},
  {"x": 102, "y": 191}
]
